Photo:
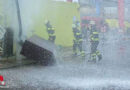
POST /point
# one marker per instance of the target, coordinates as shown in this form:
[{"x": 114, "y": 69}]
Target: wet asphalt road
[{"x": 112, "y": 73}]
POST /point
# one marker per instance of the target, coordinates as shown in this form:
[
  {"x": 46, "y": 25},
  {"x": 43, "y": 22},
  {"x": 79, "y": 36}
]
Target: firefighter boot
[
  {"x": 99, "y": 57},
  {"x": 93, "y": 58},
  {"x": 83, "y": 55}
]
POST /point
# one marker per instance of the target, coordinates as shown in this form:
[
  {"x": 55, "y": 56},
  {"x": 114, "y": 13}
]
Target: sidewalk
[
  {"x": 66, "y": 55},
  {"x": 11, "y": 62}
]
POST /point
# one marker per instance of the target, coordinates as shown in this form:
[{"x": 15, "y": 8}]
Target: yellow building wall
[{"x": 60, "y": 14}]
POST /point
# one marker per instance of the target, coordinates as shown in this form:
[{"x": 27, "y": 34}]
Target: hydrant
[{"x": 2, "y": 82}]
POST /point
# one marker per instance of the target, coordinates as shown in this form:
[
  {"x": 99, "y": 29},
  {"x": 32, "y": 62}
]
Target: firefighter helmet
[
  {"x": 46, "y": 21},
  {"x": 92, "y": 22}
]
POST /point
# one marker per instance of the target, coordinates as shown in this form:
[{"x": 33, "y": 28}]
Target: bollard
[{"x": 2, "y": 82}]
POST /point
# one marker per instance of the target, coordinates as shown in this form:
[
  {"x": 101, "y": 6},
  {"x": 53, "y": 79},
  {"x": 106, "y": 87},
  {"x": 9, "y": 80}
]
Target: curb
[{"x": 16, "y": 65}]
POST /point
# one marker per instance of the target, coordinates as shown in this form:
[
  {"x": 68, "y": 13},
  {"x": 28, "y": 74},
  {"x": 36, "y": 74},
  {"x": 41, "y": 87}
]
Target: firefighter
[
  {"x": 80, "y": 43},
  {"x": 50, "y": 31},
  {"x": 94, "y": 43},
  {"x": 77, "y": 42},
  {"x": 76, "y": 30}
]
